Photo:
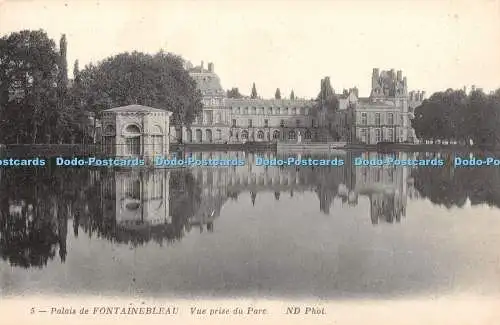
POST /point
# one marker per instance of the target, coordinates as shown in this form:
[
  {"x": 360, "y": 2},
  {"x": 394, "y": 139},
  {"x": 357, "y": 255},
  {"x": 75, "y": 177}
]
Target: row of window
[
  {"x": 298, "y": 123},
  {"x": 271, "y": 110},
  {"x": 292, "y": 135},
  {"x": 379, "y": 136},
  {"x": 243, "y": 135},
  {"x": 208, "y": 119},
  {"x": 390, "y": 119}
]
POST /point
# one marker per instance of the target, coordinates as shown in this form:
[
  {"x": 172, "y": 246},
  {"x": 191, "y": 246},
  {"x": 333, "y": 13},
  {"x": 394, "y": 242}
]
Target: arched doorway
[
  {"x": 199, "y": 135},
  {"x": 132, "y": 136},
  {"x": 208, "y": 133},
  {"x": 244, "y": 135}
]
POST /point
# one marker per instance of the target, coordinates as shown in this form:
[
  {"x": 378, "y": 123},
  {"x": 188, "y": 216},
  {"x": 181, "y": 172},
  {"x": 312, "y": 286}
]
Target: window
[
  {"x": 364, "y": 119},
  {"x": 390, "y": 135},
  {"x": 249, "y": 123},
  {"x": 244, "y": 135},
  {"x": 157, "y": 144},
  {"x": 378, "y": 135},
  {"x": 245, "y": 111},
  {"x": 364, "y": 135},
  {"x": 307, "y": 135},
  {"x": 219, "y": 134},
  {"x": 292, "y": 135},
  {"x": 254, "y": 110},
  {"x": 276, "y": 135},
  {"x": 297, "y": 122},
  {"x": 266, "y": 123},
  {"x": 377, "y": 118},
  {"x": 282, "y": 123},
  {"x": 260, "y": 135},
  {"x": 313, "y": 122},
  {"x": 133, "y": 146},
  {"x": 390, "y": 119},
  {"x": 209, "y": 117},
  {"x": 109, "y": 144},
  {"x": 234, "y": 123}
]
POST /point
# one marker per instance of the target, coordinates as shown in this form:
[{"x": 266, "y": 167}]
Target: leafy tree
[
  {"x": 32, "y": 88},
  {"x": 158, "y": 81},
  {"x": 234, "y": 93},
  {"x": 277, "y": 95},
  {"x": 254, "y": 92},
  {"x": 454, "y": 115}
]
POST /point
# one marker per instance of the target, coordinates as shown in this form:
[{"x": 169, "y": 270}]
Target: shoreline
[{"x": 91, "y": 150}]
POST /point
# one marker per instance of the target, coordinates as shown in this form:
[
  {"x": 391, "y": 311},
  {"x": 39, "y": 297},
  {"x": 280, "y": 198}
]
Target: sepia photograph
[{"x": 221, "y": 162}]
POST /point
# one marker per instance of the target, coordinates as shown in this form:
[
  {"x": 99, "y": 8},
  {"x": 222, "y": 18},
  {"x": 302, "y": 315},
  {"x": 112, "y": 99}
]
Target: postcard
[{"x": 250, "y": 162}]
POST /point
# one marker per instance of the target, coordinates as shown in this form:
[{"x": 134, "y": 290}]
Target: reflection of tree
[
  {"x": 34, "y": 214},
  {"x": 450, "y": 186}
]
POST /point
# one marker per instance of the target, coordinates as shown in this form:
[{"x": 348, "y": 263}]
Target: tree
[
  {"x": 32, "y": 87},
  {"x": 254, "y": 92},
  {"x": 454, "y": 115},
  {"x": 234, "y": 93},
  {"x": 158, "y": 80},
  {"x": 327, "y": 104},
  {"x": 292, "y": 95},
  {"x": 277, "y": 95}
]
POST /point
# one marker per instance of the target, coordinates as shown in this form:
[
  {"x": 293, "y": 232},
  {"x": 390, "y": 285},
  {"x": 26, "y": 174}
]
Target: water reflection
[{"x": 135, "y": 207}]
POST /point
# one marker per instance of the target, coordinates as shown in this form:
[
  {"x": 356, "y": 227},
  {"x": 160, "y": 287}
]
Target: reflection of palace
[{"x": 386, "y": 187}]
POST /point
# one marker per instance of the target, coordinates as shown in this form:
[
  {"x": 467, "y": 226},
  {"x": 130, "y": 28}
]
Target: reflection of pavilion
[{"x": 137, "y": 199}]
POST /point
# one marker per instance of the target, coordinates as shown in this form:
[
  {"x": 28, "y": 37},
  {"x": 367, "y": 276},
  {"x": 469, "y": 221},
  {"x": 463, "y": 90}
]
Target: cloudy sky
[{"x": 286, "y": 44}]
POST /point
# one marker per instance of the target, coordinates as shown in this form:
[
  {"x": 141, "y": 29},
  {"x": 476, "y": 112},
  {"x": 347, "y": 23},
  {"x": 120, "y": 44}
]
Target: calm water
[{"x": 329, "y": 232}]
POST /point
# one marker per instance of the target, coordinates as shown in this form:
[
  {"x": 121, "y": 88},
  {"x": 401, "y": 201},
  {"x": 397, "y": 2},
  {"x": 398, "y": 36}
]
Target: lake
[{"x": 330, "y": 232}]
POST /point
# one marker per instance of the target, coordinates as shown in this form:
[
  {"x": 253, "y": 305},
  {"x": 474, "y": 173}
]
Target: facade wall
[{"x": 151, "y": 129}]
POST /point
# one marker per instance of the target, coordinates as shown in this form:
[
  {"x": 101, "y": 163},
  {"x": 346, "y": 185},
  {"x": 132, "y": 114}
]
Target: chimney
[
  {"x": 210, "y": 67},
  {"x": 202, "y": 65},
  {"x": 411, "y": 94},
  {"x": 400, "y": 75}
]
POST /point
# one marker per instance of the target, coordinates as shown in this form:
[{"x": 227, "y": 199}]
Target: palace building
[
  {"x": 383, "y": 116},
  {"x": 239, "y": 120},
  {"x": 386, "y": 115}
]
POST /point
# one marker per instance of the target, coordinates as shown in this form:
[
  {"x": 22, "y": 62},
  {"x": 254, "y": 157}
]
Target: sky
[{"x": 285, "y": 44}]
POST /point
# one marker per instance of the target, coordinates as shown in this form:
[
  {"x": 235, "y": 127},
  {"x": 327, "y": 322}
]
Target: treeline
[
  {"x": 39, "y": 104},
  {"x": 454, "y": 115},
  {"x": 451, "y": 187}
]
